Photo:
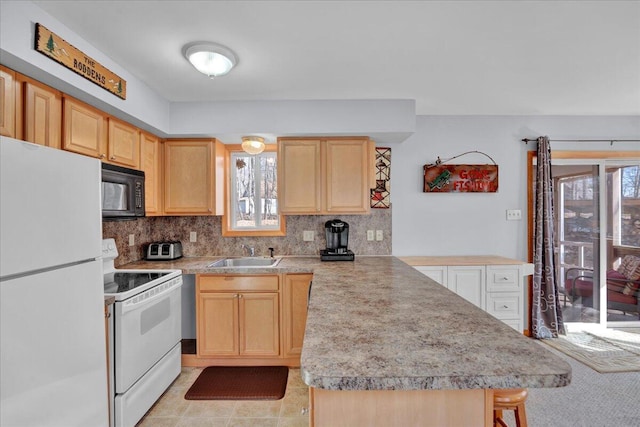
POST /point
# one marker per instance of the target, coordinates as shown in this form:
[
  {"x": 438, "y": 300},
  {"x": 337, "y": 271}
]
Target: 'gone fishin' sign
[{"x": 460, "y": 179}]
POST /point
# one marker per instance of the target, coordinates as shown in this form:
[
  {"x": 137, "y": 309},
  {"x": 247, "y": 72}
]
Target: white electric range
[{"x": 145, "y": 335}]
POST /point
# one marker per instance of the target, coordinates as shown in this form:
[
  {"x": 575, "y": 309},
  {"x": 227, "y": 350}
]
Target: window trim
[{"x": 227, "y": 231}]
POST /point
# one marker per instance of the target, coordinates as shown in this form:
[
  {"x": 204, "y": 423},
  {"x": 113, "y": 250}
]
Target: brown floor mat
[{"x": 240, "y": 383}]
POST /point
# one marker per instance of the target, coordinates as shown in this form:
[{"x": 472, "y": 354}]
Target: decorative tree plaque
[{"x": 56, "y": 48}]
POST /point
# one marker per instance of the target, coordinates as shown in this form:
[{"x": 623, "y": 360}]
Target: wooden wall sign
[
  {"x": 56, "y": 48},
  {"x": 460, "y": 178}
]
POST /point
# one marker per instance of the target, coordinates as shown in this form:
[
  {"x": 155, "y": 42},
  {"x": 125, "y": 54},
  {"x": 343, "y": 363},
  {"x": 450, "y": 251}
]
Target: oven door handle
[{"x": 148, "y": 297}]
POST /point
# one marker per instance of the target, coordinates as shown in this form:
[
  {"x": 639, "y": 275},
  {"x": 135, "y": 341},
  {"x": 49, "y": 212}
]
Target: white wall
[
  {"x": 143, "y": 107},
  {"x": 475, "y": 224}
]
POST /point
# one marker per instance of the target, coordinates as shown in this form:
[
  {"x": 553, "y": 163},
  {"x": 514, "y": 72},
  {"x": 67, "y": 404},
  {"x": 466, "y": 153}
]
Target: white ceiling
[{"x": 452, "y": 57}]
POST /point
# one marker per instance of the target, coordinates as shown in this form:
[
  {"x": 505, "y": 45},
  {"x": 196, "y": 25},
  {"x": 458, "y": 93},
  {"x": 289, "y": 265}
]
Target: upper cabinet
[
  {"x": 151, "y": 164},
  {"x": 7, "y": 102},
  {"x": 84, "y": 129},
  {"x": 124, "y": 144},
  {"x": 324, "y": 176},
  {"x": 38, "y": 113},
  {"x": 194, "y": 177}
]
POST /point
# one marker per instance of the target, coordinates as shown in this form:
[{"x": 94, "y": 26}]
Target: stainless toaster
[{"x": 164, "y": 250}]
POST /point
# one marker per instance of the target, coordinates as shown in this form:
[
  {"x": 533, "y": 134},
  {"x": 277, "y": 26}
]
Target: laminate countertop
[{"x": 378, "y": 324}]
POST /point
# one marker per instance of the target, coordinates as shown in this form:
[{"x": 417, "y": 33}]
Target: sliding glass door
[
  {"x": 597, "y": 217},
  {"x": 578, "y": 225}
]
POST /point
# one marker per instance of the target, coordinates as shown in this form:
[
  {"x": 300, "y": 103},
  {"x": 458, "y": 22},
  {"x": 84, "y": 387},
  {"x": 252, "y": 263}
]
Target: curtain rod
[{"x": 611, "y": 141}]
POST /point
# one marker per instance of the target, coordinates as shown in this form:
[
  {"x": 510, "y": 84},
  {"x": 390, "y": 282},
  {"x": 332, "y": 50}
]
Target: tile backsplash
[{"x": 211, "y": 243}]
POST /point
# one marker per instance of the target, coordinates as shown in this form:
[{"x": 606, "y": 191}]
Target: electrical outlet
[
  {"x": 132, "y": 239},
  {"x": 193, "y": 236},
  {"x": 370, "y": 236},
  {"x": 307, "y": 235},
  {"x": 379, "y": 235},
  {"x": 514, "y": 214}
]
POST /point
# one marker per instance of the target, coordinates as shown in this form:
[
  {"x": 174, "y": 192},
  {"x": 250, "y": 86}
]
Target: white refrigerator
[{"x": 53, "y": 369}]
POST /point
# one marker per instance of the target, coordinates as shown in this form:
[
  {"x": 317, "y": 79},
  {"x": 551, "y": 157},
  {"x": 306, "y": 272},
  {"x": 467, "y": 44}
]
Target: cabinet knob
[
  {"x": 505, "y": 306},
  {"x": 240, "y": 296},
  {"x": 102, "y": 156},
  {"x": 235, "y": 295},
  {"x": 112, "y": 158}
]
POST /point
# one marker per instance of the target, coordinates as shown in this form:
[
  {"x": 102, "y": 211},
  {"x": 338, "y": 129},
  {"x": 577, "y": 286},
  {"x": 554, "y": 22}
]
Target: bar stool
[{"x": 510, "y": 400}]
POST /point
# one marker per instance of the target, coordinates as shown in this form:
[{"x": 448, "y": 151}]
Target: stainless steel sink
[{"x": 244, "y": 262}]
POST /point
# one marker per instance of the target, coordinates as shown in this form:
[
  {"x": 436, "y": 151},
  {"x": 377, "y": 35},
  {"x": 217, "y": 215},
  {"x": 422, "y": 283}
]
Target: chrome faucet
[{"x": 250, "y": 250}]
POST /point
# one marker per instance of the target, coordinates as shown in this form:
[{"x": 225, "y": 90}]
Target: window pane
[{"x": 254, "y": 192}]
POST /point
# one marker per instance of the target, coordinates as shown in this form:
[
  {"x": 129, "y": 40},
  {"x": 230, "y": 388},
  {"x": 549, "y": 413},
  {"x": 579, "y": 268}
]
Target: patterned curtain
[{"x": 546, "y": 318}]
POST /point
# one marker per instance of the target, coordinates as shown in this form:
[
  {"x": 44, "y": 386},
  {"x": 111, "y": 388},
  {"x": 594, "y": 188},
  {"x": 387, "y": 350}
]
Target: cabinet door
[
  {"x": 192, "y": 180},
  {"x": 347, "y": 178},
  {"x": 124, "y": 144},
  {"x": 437, "y": 273},
  {"x": 217, "y": 324},
  {"x": 151, "y": 164},
  {"x": 84, "y": 129},
  {"x": 299, "y": 175},
  {"x": 296, "y": 292},
  {"x": 188, "y": 177},
  {"x": 259, "y": 324},
  {"x": 42, "y": 113},
  {"x": 468, "y": 282},
  {"x": 7, "y": 102}
]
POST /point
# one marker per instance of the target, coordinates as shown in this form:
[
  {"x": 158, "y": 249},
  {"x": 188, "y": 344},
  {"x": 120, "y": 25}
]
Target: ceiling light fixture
[
  {"x": 253, "y": 144},
  {"x": 211, "y": 59}
]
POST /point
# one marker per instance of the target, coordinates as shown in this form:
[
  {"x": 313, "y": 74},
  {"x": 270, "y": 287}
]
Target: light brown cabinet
[
  {"x": 194, "y": 177},
  {"x": 237, "y": 316},
  {"x": 7, "y": 102},
  {"x": 123, "y": 144},
  {"x": 295, "y": 293},
  {"x": 151, "y": 164},
  {"x": 84, "y": 129},
  {"x": 38, "y": 113},
  {"x": 324, "y": 176}
]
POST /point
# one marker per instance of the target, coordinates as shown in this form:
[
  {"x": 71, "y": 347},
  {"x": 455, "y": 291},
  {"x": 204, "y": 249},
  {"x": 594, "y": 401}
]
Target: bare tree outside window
[{"x": 254, "y": 191}]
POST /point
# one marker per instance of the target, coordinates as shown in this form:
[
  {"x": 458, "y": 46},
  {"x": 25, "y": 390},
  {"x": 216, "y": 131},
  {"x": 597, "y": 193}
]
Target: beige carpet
[{"x": 604, "y": 351}]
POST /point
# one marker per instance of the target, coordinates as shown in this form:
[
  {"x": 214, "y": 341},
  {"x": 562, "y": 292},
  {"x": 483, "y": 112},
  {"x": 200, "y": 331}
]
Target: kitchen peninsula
[{"x": 386, "y": 345}]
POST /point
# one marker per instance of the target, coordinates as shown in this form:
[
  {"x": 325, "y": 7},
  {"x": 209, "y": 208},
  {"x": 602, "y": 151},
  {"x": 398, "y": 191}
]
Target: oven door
[{"x": 147, "y": 326}]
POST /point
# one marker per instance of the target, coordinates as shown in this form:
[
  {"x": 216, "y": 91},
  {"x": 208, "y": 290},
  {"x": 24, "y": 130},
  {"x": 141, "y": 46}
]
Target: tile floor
[{"x": 172, "y": 410}]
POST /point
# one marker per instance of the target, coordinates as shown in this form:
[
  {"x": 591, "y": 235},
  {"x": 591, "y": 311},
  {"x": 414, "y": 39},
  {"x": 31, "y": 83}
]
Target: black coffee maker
[{"x": 337, "y": 234}]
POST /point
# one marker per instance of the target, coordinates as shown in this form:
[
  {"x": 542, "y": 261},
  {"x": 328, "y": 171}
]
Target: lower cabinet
[
  {"x": 237, "y": 315},
  {"x": 296, "y": 293},
  {"x": 250, "y": 319},
  {"x": 497, "y": 289}
]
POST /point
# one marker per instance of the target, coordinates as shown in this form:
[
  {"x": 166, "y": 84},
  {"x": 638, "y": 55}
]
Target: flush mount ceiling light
[
  {"x": 253, "y": 144},
  {"x": 211, "y": 59}
]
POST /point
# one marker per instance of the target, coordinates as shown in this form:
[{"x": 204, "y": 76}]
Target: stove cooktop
[
  {"x": 124, "y": 284},
  {"x": 118, "y": 282}
]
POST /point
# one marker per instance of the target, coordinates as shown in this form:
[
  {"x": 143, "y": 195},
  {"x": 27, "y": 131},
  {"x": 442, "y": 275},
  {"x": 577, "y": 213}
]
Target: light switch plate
[
  {"x": 370, "y": 235},
  {"x": 379, "y": 235},
  {"x": 132, "y": 239},
  {"x": 193, "y": 236},
  {"x": 307, "y": 235}
]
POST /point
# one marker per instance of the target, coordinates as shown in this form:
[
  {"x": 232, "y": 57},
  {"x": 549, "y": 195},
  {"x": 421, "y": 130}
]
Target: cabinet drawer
[
  {"x": 503, "y": 279},
  {"x": 237, "y": 283},
  {"x": 504, "y": 306}
]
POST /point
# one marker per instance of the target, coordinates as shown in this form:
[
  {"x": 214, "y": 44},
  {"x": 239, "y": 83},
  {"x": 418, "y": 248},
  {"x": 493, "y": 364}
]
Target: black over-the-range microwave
[{"x": 122, "y": 193}]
